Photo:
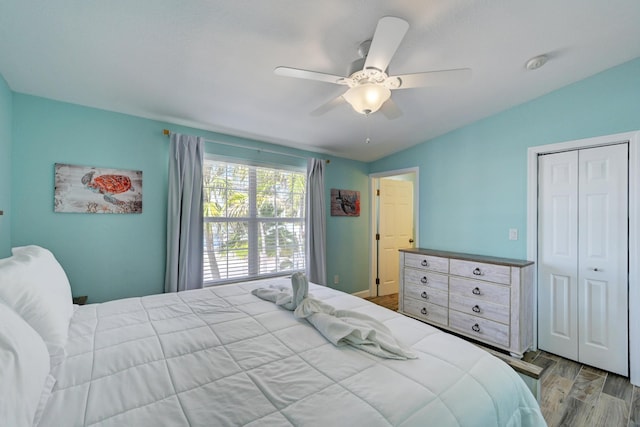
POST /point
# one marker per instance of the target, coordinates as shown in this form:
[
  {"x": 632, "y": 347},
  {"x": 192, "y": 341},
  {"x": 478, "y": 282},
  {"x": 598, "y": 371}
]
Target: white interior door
[
  {"x": 395, "y": 229},
  {"x": 558, "y": 254},
  {"x": 602, "y": 254},
  {"x": 582, "y": 259}
]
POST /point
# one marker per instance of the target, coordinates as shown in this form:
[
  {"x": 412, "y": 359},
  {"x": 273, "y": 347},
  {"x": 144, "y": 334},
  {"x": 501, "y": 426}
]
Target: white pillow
[
  {"x": 24, "y": 369},
  {"x": 36, "y": 287}
]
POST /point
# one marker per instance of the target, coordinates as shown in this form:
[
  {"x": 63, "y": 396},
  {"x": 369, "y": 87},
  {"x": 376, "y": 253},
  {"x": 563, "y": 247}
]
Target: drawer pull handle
[
  {"x": 424, "y": 311},
  {"x": 476, "y": 309},
  {"x": 475, "y": 328},
  {"x": 424, "y": 279},
  {"x": 424, "y": 263},
  {"x": 424, "y": 295},
  {"x": 476, "y": 291},
  {"x": 477, "y": 272}
]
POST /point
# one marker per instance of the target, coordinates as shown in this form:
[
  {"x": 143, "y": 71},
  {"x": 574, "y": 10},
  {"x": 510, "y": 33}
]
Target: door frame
[
  {"x": 633, "y": 139},
  {"x": 373, "y": 178}
]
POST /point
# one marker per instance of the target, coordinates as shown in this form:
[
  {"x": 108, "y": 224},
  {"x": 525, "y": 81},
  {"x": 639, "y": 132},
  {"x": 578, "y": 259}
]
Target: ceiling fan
[{"x": 369, "y": 84}]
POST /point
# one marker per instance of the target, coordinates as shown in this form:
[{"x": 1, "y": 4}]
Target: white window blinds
[{"x": 253, "y": 221}]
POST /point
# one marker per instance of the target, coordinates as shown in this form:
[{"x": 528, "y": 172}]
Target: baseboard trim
[{"x": 362, "y": 294}]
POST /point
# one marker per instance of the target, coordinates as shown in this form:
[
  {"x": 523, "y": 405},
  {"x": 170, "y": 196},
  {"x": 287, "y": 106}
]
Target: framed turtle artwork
[{"x": 87, "y": 189}]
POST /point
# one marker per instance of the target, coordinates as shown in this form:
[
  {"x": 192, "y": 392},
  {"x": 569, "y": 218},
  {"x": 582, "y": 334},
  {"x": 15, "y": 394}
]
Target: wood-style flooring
[
  {"x": 387, "y": 301},
  {"x": 573, "y": 394}
]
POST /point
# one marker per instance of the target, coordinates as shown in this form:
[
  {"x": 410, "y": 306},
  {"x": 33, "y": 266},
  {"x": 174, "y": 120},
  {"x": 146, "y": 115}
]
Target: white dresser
[{"x": 485, "y": 298}]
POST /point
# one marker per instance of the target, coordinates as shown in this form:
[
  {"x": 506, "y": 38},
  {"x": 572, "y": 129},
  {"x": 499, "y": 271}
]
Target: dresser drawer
[
  {"x": 481, "y": 271},
  {"x": 482, "y": 291},
  {"x": 480, "y": 308},
  {"x": 483, "y": 329},
  {"x": 426, "y": 311},
  {"x": 428, "y": 262},
  {"x": 425, "y": 278},
  {"x": 426, "y": 294}
]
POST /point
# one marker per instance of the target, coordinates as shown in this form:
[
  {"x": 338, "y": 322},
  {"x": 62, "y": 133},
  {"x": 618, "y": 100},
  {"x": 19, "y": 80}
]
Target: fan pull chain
[{"x": 368, "y": 139}]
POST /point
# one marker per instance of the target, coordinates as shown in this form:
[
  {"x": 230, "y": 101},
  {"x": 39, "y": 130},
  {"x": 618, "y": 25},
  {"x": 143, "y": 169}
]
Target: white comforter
[{"x": 222, "y": 357}]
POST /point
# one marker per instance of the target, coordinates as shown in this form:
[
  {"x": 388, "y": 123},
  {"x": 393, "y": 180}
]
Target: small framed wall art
[
  {"x": 87, "y": 189},
  {"x": 345, "y": 202}
]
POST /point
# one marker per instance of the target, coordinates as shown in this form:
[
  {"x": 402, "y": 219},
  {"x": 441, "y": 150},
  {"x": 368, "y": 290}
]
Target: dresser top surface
[{"x": 469, "y": 257}]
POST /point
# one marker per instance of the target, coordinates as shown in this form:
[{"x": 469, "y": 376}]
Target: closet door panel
[
  {"x": 561, "y": 323},
  {"x": 595, "y": 329},
  {"x": 558, "y": 254},
  {"x": 602, "y": 268}
]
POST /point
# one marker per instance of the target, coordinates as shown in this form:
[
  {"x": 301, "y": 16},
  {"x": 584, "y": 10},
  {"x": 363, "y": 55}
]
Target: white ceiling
[{"x": 209, "y": 63}]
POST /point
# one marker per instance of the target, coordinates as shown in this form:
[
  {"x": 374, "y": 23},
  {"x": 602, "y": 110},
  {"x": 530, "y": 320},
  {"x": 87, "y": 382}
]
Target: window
[{"x": 253, "y": 221}]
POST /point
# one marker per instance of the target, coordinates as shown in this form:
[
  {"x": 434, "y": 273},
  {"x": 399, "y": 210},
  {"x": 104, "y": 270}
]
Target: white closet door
[
  {"x": 558, "y": 254},
  {"x": 602, "y": 268},
  {"x": 582, "y": 256}
]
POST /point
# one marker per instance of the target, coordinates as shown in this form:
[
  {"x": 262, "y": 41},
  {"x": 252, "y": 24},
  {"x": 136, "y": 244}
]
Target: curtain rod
[{"x": 167, "y": 132}]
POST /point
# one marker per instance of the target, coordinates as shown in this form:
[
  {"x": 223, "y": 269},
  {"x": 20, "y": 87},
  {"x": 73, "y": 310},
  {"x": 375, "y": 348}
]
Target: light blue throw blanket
[{"x": 340, "y": 327}]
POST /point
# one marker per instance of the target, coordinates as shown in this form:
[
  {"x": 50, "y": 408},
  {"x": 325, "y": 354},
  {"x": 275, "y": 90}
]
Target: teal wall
[
  {"x": 473, "y": 181},
  {"x": 116, "y": 256},
  {"x": 105, "y": 256},
  {"x": 348, "y": 237},
  {"x": 6, "y": 118}
]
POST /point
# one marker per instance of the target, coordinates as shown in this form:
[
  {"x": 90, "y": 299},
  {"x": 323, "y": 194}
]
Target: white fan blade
[
  {"x": 434, "y": 78},
  {"x": 389, "y": 33},
  {"x": 306, "y": 74},
  {"x": 390, "y": 109},
  {"x": 328, "y": 106}
]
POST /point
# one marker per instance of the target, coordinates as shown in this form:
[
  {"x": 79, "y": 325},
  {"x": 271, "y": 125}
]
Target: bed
[{"x": 221, "y": 356}]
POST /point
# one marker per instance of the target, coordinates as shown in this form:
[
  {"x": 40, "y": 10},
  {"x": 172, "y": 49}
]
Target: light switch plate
[{"x": 513, "y": 234}]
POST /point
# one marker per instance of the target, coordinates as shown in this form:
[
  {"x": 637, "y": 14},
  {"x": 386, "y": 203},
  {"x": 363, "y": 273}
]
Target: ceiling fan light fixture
[
  {"x": 367, "y": 98},
  {"x": 369, "y": 84}
]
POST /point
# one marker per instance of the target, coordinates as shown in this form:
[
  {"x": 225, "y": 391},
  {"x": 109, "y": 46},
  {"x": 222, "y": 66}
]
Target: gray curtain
[
  {"x": 316, "y": 263},
  {"x": 184, "y": 214}
]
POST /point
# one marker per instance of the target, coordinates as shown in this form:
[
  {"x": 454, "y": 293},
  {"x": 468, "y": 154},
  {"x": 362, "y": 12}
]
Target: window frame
[{"x": 254, "y": 220}]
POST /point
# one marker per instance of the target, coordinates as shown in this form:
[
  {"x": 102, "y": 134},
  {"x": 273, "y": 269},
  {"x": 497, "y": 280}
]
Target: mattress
[{"x": 220, "y": 356}]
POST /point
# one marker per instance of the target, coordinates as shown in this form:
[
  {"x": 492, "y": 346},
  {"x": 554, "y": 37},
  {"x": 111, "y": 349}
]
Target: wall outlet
[
  {"x": 336, "y": 279},
  {"x": 513, "y": 234}
]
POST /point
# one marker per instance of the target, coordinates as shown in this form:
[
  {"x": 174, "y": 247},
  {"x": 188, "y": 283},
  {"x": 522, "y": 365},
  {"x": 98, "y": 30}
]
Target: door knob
[
  {"x": 596, "y": 269},
  {"x": 410, "y": 240}
]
